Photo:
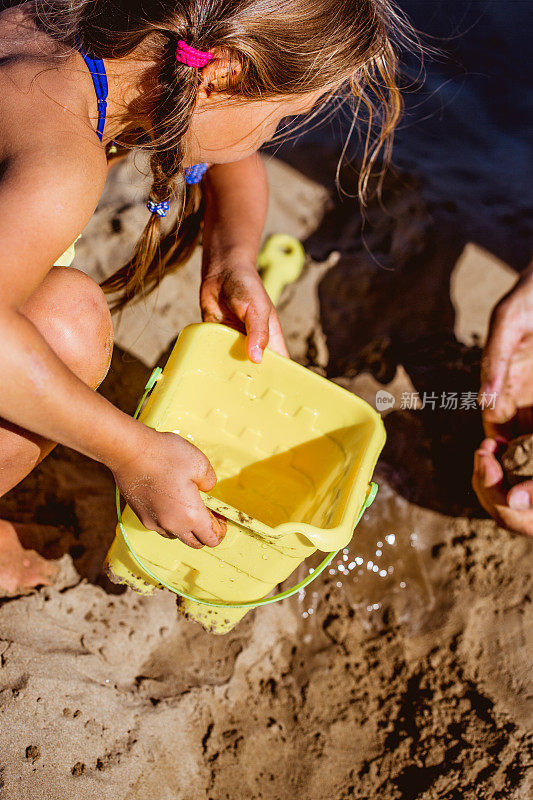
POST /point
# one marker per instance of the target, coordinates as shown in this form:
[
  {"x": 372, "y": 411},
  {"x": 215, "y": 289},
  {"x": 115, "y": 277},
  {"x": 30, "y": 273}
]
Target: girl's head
[{"x": 271, "y": 59}]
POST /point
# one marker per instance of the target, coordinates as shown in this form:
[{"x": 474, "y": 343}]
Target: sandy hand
[
  {"x": 161, "y": 482},
  {"x": 507, "y": 363},
  {"x": 507, "y": 375},
  {"x": 512, "y": 509},
  {"x": 236, "y": 297}
]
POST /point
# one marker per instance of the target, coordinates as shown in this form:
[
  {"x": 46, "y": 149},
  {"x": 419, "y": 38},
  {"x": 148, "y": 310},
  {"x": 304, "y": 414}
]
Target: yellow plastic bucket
[{"x": 294, "y": 456}]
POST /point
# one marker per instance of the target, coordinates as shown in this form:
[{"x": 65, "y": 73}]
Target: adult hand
[{"x": 506, "y": 397}]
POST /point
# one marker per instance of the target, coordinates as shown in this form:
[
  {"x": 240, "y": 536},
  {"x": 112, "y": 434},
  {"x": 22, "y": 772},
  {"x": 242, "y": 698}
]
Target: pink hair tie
[{"x": 191, "y": 56}]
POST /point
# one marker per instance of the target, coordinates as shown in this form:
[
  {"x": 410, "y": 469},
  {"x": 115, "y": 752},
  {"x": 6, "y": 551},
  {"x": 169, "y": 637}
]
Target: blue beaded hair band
[
  {"x": 193, "y": 175},
  {"x": 158, "y": 208}
]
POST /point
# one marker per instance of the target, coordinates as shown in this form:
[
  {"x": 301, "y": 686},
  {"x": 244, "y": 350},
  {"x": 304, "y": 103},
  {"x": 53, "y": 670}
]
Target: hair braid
[{"x": 177, "y": 88}]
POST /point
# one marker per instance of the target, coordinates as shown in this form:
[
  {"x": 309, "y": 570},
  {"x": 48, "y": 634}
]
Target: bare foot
[{"x": 21, "y": 570}]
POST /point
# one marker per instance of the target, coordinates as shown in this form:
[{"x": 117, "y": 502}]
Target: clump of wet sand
[{"x": 517, "y": 460}]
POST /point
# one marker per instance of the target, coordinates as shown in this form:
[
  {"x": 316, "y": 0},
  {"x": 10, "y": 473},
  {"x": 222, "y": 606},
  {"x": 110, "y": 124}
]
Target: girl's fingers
[
  {"x": 245, "y": 306},
  {"x": 209, "y": 305},
  {"x": 207, "y": 528},
  {"x": 256, "y": 320},
  {"x": 187, "y": 538},
  {"x": 276, "y": 339}
]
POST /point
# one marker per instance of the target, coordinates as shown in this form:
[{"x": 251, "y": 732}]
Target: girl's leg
[{"x": 70, "y": 311}]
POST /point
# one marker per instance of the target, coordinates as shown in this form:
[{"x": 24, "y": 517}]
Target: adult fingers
[
  {"x": 487, "y": 481},
  {"x": 520, "y": 497},
  {"x": 500, "y": 431},
  {"x": 505, "y": 333}
]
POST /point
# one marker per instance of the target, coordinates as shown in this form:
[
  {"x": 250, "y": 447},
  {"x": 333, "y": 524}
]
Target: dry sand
[{"x": 410, "y": 682}]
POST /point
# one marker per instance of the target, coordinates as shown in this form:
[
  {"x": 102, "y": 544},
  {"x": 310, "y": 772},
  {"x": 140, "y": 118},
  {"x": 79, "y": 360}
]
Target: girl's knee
[{"x": 71, "y": 312}]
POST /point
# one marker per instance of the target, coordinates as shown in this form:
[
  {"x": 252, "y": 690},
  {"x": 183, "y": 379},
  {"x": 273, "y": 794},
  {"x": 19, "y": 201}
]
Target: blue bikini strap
[{"x": 98, "y": 74}]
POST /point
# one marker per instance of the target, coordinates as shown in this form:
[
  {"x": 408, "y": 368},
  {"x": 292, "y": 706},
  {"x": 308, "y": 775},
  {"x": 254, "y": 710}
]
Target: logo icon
[{"x": 384, "y": 400}]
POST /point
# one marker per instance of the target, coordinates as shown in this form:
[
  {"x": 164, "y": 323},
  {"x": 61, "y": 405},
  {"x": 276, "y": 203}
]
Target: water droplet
[{"x": 390, "y": 538}]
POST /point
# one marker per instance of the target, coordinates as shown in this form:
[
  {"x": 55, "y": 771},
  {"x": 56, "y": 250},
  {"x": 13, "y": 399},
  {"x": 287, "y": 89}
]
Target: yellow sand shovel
[{"x": 280, "y": 262}]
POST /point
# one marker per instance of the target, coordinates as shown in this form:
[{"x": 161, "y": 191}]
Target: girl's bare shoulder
[
  {"x": 52, "y": 166},
  {"x": 44, "y": 103}
]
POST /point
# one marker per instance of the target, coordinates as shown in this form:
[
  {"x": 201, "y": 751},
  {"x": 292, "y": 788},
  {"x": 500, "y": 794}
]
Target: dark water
[{"x": 468, "y": 129}]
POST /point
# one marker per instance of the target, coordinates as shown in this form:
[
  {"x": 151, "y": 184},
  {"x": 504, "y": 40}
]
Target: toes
[
  {"x": 36, "y": 571},
  {"x": 21, "y": 570}
]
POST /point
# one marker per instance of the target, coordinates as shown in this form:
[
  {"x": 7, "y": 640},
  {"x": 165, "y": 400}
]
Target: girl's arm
[
  {"x": 48, "y": 191},
  {"x": 236, "y": 200}
]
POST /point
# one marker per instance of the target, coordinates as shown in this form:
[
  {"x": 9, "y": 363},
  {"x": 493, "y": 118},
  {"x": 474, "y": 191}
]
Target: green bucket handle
[{"x": 372, "y": 491}]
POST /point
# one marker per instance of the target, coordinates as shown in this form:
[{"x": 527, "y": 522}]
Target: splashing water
[{"x": 380, "y": 568}]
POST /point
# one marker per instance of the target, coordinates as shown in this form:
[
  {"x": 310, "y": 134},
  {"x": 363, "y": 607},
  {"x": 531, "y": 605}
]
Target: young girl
[{"x": 196, "y": 83}]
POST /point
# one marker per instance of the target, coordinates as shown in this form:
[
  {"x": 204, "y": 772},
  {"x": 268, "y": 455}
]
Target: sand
[
  {"x": 517, "y": 460},
  {"x": 405, "y": 671},
  {"x": 412, "y": 681}
]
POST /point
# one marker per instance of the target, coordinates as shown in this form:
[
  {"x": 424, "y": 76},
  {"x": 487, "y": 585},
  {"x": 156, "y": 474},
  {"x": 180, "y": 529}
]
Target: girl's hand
[
  {"x": 161, "y": 482},
  {"x": 236, "y": 297}
]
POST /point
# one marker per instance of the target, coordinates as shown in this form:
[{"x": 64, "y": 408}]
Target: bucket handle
[{"x": 313, "y": 573}]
